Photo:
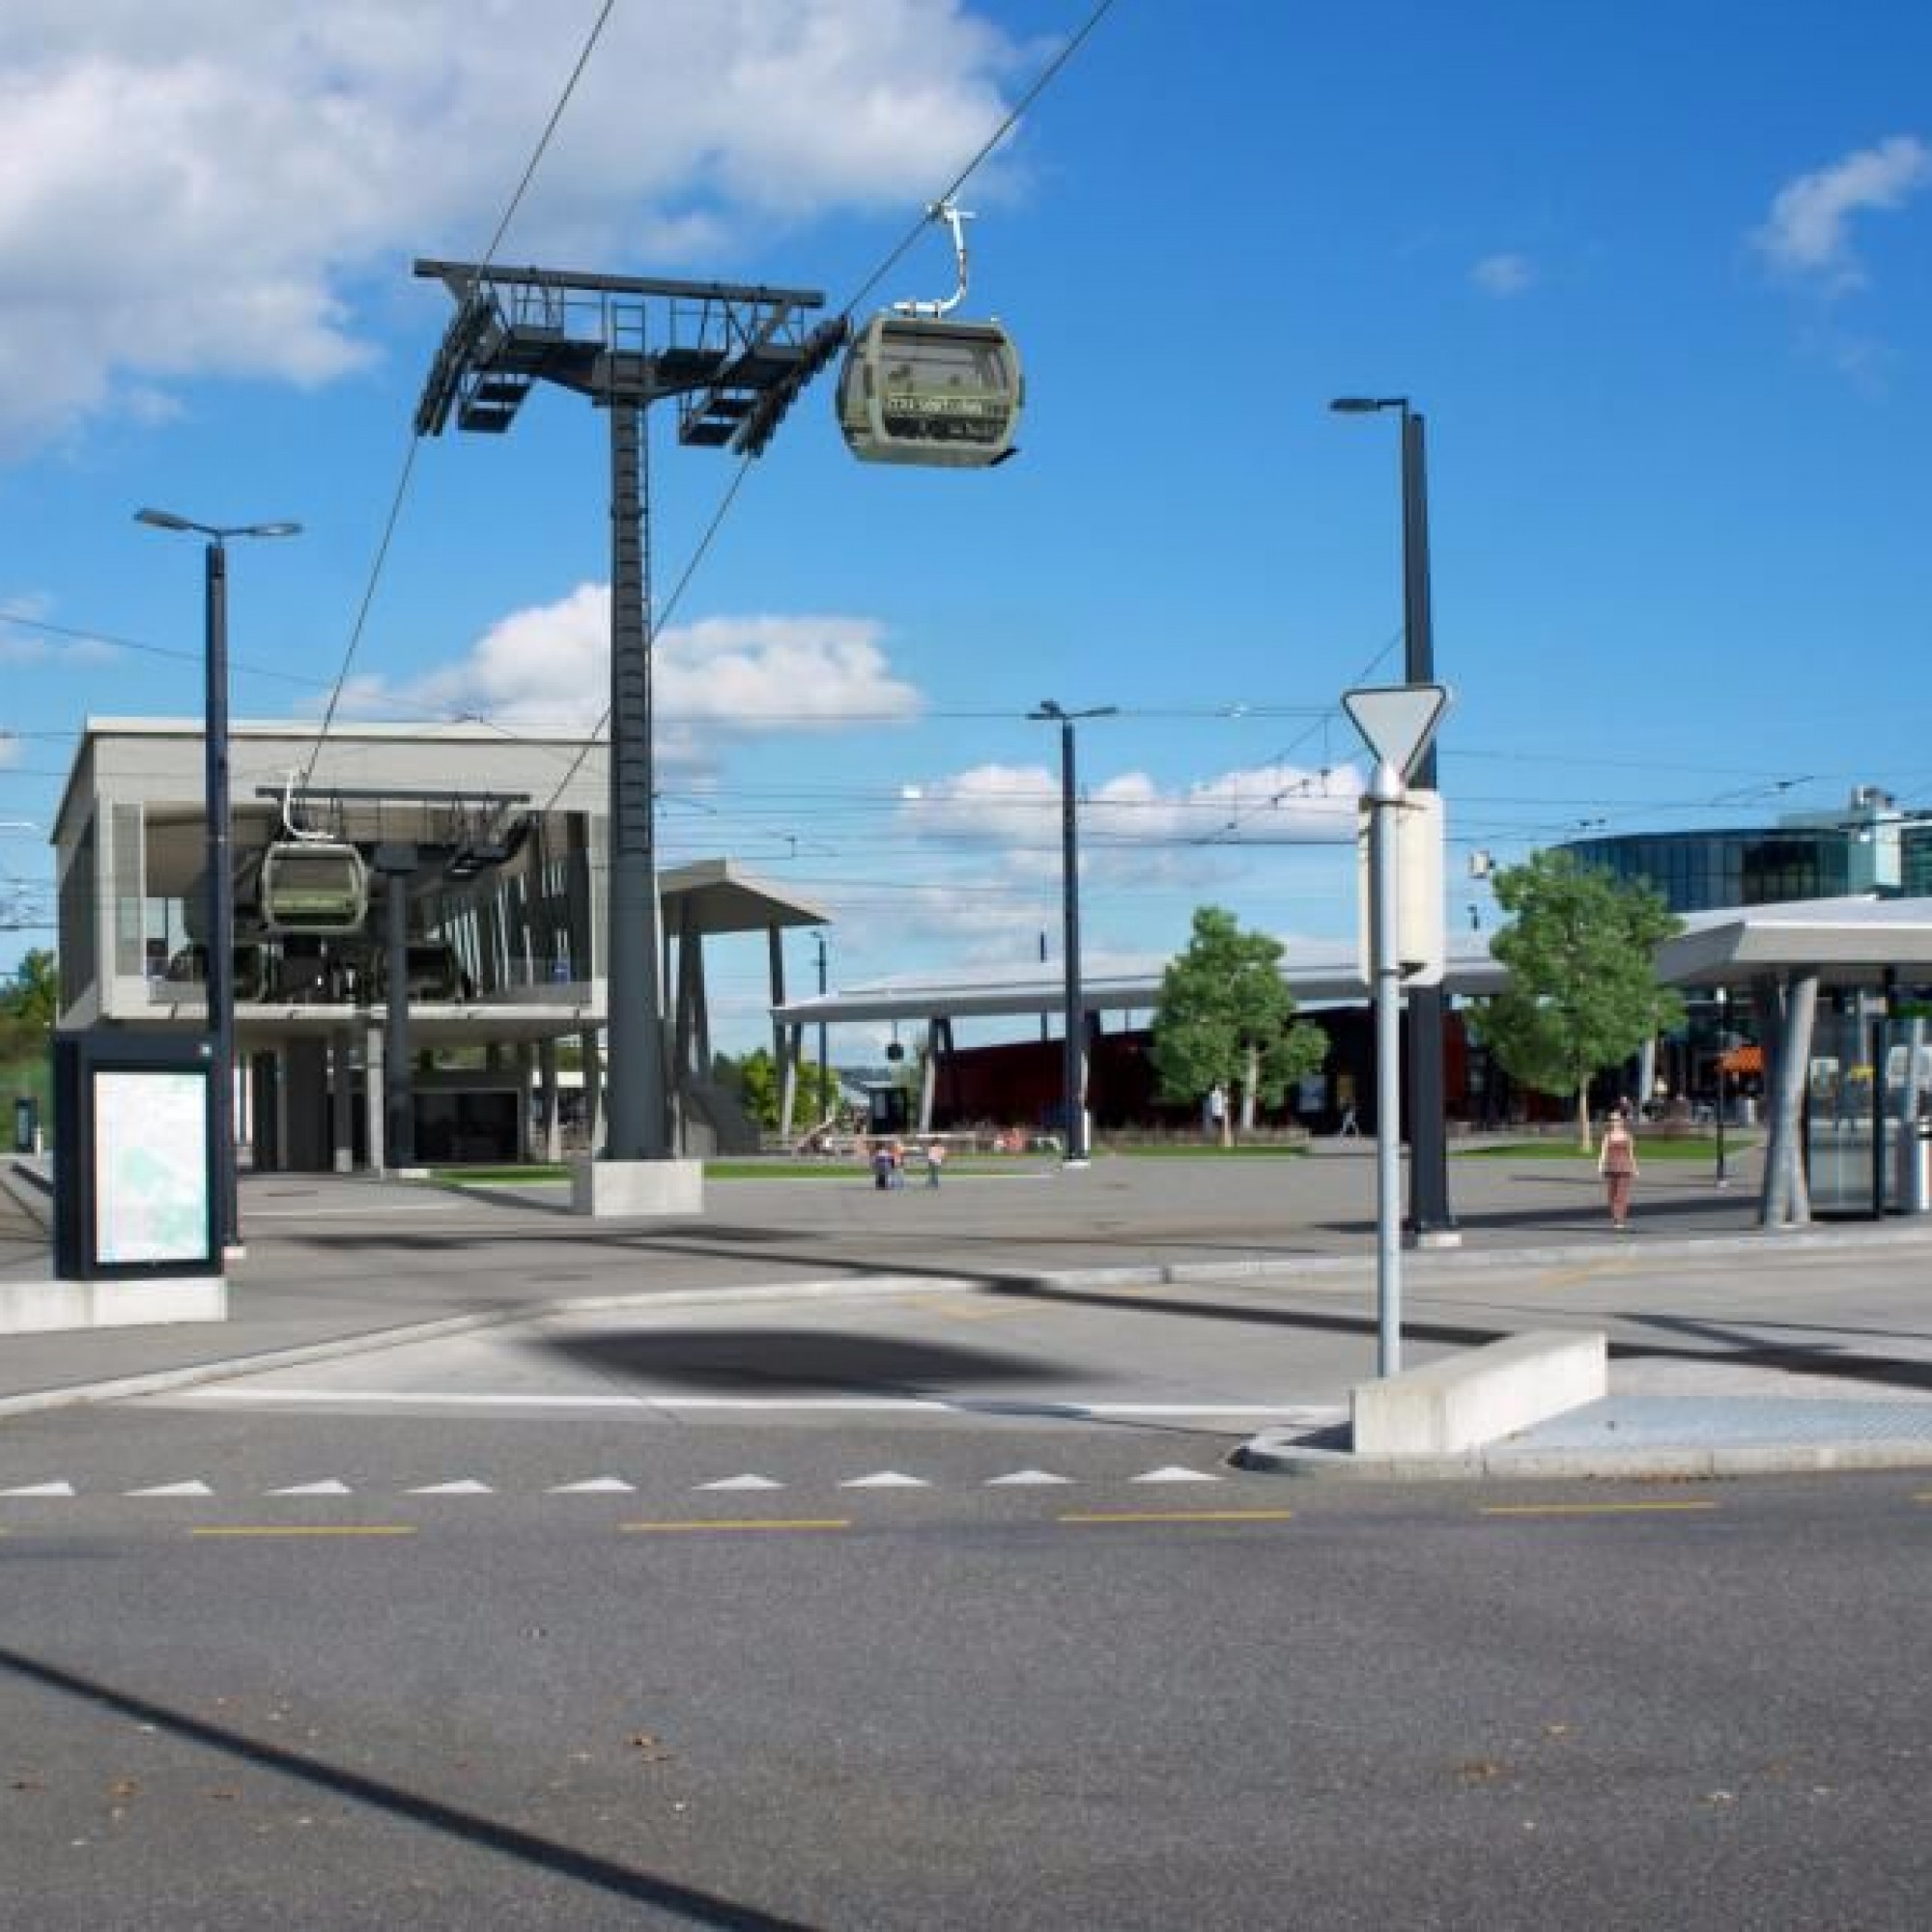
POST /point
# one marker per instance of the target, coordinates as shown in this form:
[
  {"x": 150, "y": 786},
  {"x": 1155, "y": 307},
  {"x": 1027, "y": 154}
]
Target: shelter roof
[
  {"x": 1850, "y": 941},
  {"x": 714, "y": 896}
]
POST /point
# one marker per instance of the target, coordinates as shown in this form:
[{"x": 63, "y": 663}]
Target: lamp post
[
  {"x": 1073, "y": 1087},
  {"x": 221, "y": 902},
  {"x": 1722, "y": 998},
  {"x": 1430, "y": 1221},
  {"x": 824, "y": 1061}
]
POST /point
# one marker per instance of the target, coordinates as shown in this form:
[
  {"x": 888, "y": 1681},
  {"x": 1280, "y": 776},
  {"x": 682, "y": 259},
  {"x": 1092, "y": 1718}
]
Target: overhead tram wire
[
  {"x": 408, "y": 471},
  {"x": 1044, "y": 79}
]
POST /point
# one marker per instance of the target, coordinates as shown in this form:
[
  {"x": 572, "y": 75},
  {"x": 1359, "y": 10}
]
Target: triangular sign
[{"x": 1397, "y": 720}]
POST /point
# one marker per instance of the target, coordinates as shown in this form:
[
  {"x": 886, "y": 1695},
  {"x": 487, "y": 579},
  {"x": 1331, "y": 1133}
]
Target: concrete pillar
[
  {"x": 594, "y": 1088},
  {"x": 788, "y": 1038},
  {"x": 526, "y": 1061},
  {"x": 929, "y": 1079},
  {"x": 552, "y": 1127},
  {"x": 1785, "y": 1201},
  {"x": 342, "y": 1098},
  {"x": 373, "y": 1111}
]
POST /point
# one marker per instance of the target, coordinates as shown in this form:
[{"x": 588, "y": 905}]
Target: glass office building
[{"x": 1704, "y": 871}]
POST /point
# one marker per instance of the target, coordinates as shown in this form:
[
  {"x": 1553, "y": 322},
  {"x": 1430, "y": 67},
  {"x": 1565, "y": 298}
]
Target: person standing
[
  {"x": 1616, "y": 1162},
  {"x": 935, "y": 1160}
]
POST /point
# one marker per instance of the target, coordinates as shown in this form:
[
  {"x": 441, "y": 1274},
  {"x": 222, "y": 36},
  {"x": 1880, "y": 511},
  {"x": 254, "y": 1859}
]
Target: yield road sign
[{"x": 1397, "y": 720}]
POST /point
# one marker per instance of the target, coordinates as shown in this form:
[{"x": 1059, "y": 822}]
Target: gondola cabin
[
  {"x": 313, "y": 885},
  {"x": 918, "y": 389}
]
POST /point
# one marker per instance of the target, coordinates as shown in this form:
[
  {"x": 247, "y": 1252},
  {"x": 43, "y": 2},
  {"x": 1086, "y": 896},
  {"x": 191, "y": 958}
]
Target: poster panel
[{"x": 151, "y": 1166}]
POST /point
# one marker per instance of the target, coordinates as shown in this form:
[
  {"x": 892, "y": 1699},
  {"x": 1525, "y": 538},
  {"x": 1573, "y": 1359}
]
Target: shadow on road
[
  {"x": 698, "y": 1908},
  {"x": 785, "y": 1360}
]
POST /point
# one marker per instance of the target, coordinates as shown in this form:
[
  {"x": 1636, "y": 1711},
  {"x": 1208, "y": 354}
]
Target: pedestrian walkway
[{"x": 336, "y": 1265}]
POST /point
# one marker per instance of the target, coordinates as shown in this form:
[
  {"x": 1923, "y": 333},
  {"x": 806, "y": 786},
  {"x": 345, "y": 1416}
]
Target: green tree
[
  {"x": 752, "y": 1081},
  {"x": 33, "y": 995},
  {"x": 1225, "y": 1019},
  {"x": 1582, "y": 992}
]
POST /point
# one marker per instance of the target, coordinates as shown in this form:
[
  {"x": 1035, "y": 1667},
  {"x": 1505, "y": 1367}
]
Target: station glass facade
[{"x": 1704, "y": 871}]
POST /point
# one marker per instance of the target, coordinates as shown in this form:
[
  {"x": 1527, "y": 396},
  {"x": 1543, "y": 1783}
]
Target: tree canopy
[
  {"x": 1225, "y": 1019},
  {"x": 33, "y": 994},
  {"x": 1582, "y": 993}
]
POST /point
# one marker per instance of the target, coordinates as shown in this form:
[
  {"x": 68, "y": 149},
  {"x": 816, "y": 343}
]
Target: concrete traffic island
[
  {"x": 1437, "y": 1418},
  {"x": 1537, "y": 1406}
]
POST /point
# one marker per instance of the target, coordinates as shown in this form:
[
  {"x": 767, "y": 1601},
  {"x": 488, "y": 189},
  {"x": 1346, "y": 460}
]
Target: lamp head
[
  {"x": 164, "y": 520},
  {"x": 1366, "y": 406}
]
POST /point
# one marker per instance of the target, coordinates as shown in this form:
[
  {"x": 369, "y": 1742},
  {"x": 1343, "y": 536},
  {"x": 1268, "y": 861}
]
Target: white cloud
[
  {"x": 1806, "y": 233},
  {"x": 1019, "y": 807},
  {"x": 550, "y": 665},
  {"x": 241, "y": 174},
  {"x": 1504, "y": 275}
]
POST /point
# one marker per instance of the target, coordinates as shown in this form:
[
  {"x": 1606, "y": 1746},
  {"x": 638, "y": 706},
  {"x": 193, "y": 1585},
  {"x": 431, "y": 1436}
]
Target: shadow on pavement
[{"x": 777, "y": 1360}]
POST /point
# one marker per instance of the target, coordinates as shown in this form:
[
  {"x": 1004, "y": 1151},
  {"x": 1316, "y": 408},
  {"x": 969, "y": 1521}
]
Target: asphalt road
[{"x": 1100, "y": 1702}]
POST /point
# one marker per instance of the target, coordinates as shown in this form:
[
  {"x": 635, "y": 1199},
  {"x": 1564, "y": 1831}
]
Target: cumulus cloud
[
  {"x": 213, "y": 187},
  {"x": 1504, "y": 275},
  {"x": 1807, "y": 233},
  {"x": 1018, "y": 806},
  {"x": 550, "y": 666}
]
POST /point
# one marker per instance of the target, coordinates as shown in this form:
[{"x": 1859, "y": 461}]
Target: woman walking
[{"x": 1616, "y": 1162}]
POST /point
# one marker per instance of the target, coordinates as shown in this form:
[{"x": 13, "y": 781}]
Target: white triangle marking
[
  {"x": 886, "y": 1479},
  {"x": 329, "y": 1487},
  {"x": 1026, "y": 1476},
  {"x": 1174, "y": 1473},
  {"x": 594, "y": 1486},
  {"x": 40, "y": 1489},
  {"x": 195, "y": 1488},
  {"x": 743, "y": 1483},
  {"x": 468, "y": 1488}
]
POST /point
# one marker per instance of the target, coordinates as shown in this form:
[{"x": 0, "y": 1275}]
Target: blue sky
[{"x": 1660, "y": 278}]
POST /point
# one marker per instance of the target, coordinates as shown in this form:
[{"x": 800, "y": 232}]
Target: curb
[{"x": 1270, "y": 1454}]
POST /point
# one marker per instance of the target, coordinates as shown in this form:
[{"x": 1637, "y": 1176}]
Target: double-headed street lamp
[
  {"x": 1073, "y": 1086},
  {"x": 1429, "y": 1219},
  {"x": 220, "y": 941}
]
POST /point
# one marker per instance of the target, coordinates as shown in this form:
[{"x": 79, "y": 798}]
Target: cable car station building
[{"x": 490, "y": 850}]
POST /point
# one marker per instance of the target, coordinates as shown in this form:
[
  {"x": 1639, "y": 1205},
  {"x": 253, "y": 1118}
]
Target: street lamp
[
  {"x": 1430, "y": 1219},
  {"x": 220, "y": 902},
  {"x": 1723, "y": 997},
  {"x": 824, "y": 1056},
  {"x": 1073, "y": 1087}
]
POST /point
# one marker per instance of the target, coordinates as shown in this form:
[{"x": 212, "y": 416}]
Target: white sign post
[{"x": 1397, "y": 721}]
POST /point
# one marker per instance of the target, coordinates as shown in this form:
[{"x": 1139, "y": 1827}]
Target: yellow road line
[
  {"x": 739, "y": 1522},
  {"x": 1592, "y": 1509},
  {"x": 1179, "y": 1516},
  {"x": 307, "y": 1529}
]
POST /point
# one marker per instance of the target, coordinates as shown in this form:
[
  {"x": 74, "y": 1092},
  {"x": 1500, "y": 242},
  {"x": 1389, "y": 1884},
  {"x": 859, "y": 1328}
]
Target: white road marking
[
  {"x": 467, "y": 1488},
  {"x": 40, "y": 1489},
  {"x": 1288, "y": 1415},
  {"x": 197, "y": 1489},
  {"x": 594, "y": 1486},
  {"x": 1026, "y": 1476},
  {"x": 743, "y": 1483},
  {"x": 886, "y": 1479},
  {"x": 1175, "y": 1473},
  {"x": 329, "y": 1487}
]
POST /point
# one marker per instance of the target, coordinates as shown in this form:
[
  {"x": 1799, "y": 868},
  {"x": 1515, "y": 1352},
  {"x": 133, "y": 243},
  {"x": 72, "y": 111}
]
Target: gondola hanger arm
[{"x": 955, "y": 218}]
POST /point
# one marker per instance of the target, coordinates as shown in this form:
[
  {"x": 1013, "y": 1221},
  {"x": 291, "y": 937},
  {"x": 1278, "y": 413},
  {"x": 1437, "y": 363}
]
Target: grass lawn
[
  {"x": 1672, "y": 1147},
  {"x": 1205, "y": 1151}
]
